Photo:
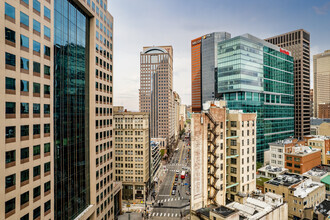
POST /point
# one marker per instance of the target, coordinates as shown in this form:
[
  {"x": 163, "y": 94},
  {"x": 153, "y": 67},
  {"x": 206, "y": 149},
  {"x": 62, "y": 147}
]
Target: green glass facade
[{"x": 258, "y": 79}]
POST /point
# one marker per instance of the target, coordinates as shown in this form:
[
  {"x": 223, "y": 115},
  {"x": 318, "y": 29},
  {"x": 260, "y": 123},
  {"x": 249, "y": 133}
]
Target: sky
[{"x": 139, "y": 23}]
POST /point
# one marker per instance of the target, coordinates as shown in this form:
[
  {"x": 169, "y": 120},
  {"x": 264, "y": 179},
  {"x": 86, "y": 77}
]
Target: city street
[{"x": 173, "y": 204}]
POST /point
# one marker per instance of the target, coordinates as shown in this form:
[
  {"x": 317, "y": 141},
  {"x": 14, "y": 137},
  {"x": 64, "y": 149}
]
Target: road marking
[
  {"x": 172, "y": 199},
  {"x": 157, "y": 214},
  {"x": 153, "y": 214},
  {"x": 176, "y": 214},
  {"x": 161, "y": 214},
  {"x": 161, "y": 201},
  {"x": 172, "y": 214}
]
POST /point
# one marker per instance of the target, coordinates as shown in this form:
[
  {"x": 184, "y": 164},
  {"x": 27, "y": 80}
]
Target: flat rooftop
[
  {"x": 282, "y": 143},
  {"x": 287, "y": 179},
  {"x": 302, "y": 151},
  {"x": 305, "y": 188},
  {"x": 272, "y": 169},
  {"x": 223, "y": 211},
  {"x": 323, "y": 208}
]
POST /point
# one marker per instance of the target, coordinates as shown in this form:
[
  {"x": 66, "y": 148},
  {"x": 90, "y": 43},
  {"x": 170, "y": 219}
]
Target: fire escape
[{"x": 213, "y": 177}]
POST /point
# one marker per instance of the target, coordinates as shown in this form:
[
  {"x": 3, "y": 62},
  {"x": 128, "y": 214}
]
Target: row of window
[
  {"x": 25, "y": 86},
  {"x": 104, "y": 134},
  {"x": 104, "y": 110},
  {"x": 24, "y": 108},
  {"x": 25, "y": 153},
  {"x": 10, "y": 10},
  {"x": 104, "y": 75},
  {"x": 105, "y": 122},
  {"x": 11, "y": 130},
  {"x": 101, "y": 62}
]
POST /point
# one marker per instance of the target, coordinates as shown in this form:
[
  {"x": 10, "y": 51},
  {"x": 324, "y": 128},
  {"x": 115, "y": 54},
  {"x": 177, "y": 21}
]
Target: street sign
[{"x": 186, "y": 184}]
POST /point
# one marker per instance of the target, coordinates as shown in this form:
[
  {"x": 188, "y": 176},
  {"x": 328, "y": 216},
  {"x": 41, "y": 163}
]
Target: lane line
[{"x": 161, "y": 214}]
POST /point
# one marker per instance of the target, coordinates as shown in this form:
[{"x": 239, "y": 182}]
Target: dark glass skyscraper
[{"x": 256, "y": 76}]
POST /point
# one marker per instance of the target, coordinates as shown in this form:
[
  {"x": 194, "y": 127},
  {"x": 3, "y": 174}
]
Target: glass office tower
[{"x": 256, "y": 76}]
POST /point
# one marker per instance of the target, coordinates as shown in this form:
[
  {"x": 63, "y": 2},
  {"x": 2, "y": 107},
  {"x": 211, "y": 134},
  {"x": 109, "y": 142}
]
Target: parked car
[{"x": 173, "y": 192}]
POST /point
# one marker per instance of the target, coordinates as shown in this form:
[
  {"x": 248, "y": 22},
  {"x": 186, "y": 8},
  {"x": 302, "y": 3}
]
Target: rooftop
[
  {"x": 323, "y": 208},
  {"x": 223, "y": 211},
  {"x": 302, "y": 150},
  {"x": 320, "y": 171},
  {"x": 287, "y": 179},
  {"x": 305, "y": 188},
  {"x": 326, "y": 180},
  {"x": 284, "y": 142},
  {"x": 272, "y": 169},
  {"x": 319, "y": 121},
  {"x": 319, "y": 138}
]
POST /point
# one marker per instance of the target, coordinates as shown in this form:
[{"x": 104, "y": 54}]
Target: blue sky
[{"x": 139, "y": 23}]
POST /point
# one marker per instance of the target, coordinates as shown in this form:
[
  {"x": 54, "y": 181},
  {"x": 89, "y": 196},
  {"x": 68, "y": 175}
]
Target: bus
[{"x": 183, "y": 174}]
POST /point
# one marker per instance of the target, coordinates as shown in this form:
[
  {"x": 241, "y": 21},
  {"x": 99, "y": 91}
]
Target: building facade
[
  {"x": 155, "y": 161},
  {"x": 65, "y": 90},
  {"x": 156, "y": 90},
  {"x": 204, "y": 67},
  {"x": 132, "y": 154},
  {"x": 257, "y": 77},
  {"x": 176, "y": 116},
  {"x": 298, "y": 43},
  {"x": 322, "y": 143}
]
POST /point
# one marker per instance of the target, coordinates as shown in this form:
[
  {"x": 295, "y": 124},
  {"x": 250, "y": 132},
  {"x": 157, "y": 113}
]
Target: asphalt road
[{"x": 173, "y": 205}]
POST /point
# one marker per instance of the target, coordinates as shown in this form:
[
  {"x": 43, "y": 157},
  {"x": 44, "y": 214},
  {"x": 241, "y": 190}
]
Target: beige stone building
[
  {"x": 322, "y": 143},
  {"x": 298, "y": 191},
  {"x": 156, "y": 90},
  {"x": 132, "y": 154},
  {"x": 223, "y": 154},
  {"x": 321, "y": 64},
  {"x": 57, "y": 98}
]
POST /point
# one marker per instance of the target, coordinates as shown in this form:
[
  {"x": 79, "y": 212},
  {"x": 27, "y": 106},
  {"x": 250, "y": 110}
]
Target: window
[
  {"x": 36, "y": 108},
  {"x": 24, "y": 19},
  {"x": 10, "y": 83},
  {"x": 24, "y": 198},
  {"x": 10, "y": 180},
  {"x": 289, "y": 158},
  {"x": 24, "y": 41},
  {"x": 36, "y": 46},
  {"x": 36, "y": 171},
  {"x": 36, "y": 191},
  {"x": 10, "y": 205},
  {"x": 10, "y": 59},
  {"x": 36, "y": 26},
  {"x": 47, "y": 148},
  {"x": 36, "y": 88},
  {"x": 297, "y": 166},
  {"x": 46, "y": 90},
  {"x": 233, "y": 123},
  {"x": 11, "y": 132},
  {"x": 36, "y": 129},
  {"x": 46, "y": 109},
  {"x": 297, "y": 159},
  {"x": 24, "y": 63},
  {"x": 10, "y": 35},
  {"x": 47, "y": 70},
  {"x": 46, "y": 31},
  {"x": 46, "y": 167},
  {"x": 24, "y": 175},
  {"x": 9, "y": 10},
  {"x": 36, "y": 67},
  {"x": 24, "y": 86},
  {"x": 36, "y": 150},
  {"x": 46, "y": 12},
  {"x": 10, "y": 156},
  {"x": 46, "y": 128},
  {"x": 36, "y": 213},
  {"x": 24, "y": 108},
  {"x": 10, "y": 107},
  {"x": 289, "y": 164},
  {"x": 24, "y": 130},
  {"x": 47, "y": 206},
  {"x": 36, "y": 5},
  {"x": 47, "y": 51},
  {"x": 25, "y": 217},
  {"x": 24, "y": 153},
  {"x": 47, "y": 186}
]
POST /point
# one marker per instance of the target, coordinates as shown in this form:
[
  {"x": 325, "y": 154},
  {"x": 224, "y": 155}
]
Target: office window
[
  {"x": 10, "y": 59},
  {"x": 24, "y": 153},
  {"x": 46, "y": 109},
  {"x": 47, "y": 186},
  {"x": 24, "y": 63},
  {"x": 36, "y": 171},
  {"x": 46, "y": 128},
  {"x": 24, "y": 198},
  {"x": 24, "y": 108},
  {"x": 46, "y": 12},
  {"x": 24, "y": 41},
  {"x": 36, "y": 46},
  {"x": 10, "y": 107},
  {"x": 24, "y": 130},
  {"x": 10, "y": 180},
  {"x": 36, "y": 26},
  {"x": 36, "y": 150},
  {"x": 47, "y": 70},
  {"x": 36, "y": 5},
  {"x": 25, "y": 217},
  {"x": 24, "y": 175},
  {"x": 36, "y": 191},
  {"x": 24, "y": 18},
  {"x": 10, "y": 83},
  {"x": 10, "y": 35},
  {"x": 46, "y": 167},
  {"x": 47, "y": 206},
  {"x": 10, "y": 156},
  {"x": 9, "y": 10},
  {"x": 47, "y": 148},
  {"x": 26, "y": 1},
  {"x": 36, "y": 213},
  {"x": 11, "y": 132},
  {"x": 47, "y": 51},
  {"x": 36, "y": 67},
  {"x": 10, "y": 205},
  {"x": 36, "y": 108},
  {"x": 36, "y": 87},
  {"x": 46, "y": 89},
  {"x": 36, "y": 129},
  {"x": 46, "y": 31},
  {"x": 24, "y": 86}
]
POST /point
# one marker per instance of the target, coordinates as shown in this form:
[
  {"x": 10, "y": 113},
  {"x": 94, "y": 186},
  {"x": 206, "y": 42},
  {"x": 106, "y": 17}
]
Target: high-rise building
[
  {"x": 176, "y": 116},
  {"x": 132, "y": 154},
  {"x": 257, "y": 77},
  {"x": 204, "y": 68},
  {"x": 58, "y": 115},
  {"x": 298, "y": 43},
  {"x": 223, "y": 158},
  {"x": 321, "y": 64},
  {"x": 156, "y": 90}
]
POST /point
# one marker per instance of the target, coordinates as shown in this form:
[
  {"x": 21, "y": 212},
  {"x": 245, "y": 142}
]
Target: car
[
  {"x": 177, "y": 172},
  {"x": 174, "y": 187},
  {"x": 176, "y": 178},
  {"x": 173, "y": 192}
]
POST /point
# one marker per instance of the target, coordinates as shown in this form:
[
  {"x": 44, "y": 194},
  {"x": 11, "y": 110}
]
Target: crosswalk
[
  {"x": 160, "y": 214},
  {"x": 169, "y": 200}
]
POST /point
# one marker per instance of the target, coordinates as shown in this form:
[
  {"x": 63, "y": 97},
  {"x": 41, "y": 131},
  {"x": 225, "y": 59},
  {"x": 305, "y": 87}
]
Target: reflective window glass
[
  {"x": 24, "y": 63},
  {"x": 24, "y": 86},
  {"x": 36, "y": 25},
  {"x": 36, "y": 5},
  {"x": 36, "y": 46},
  {"x": 24, "y": 19},
  {"x": 10, "y": 35},
  {"x": 9, "y": 10},
  {"x": 24, "y": 41},
  {"x": 46, "y": 12},
  {"x": 46, "y": 31},
  {"x": 10, "y": 59}
]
